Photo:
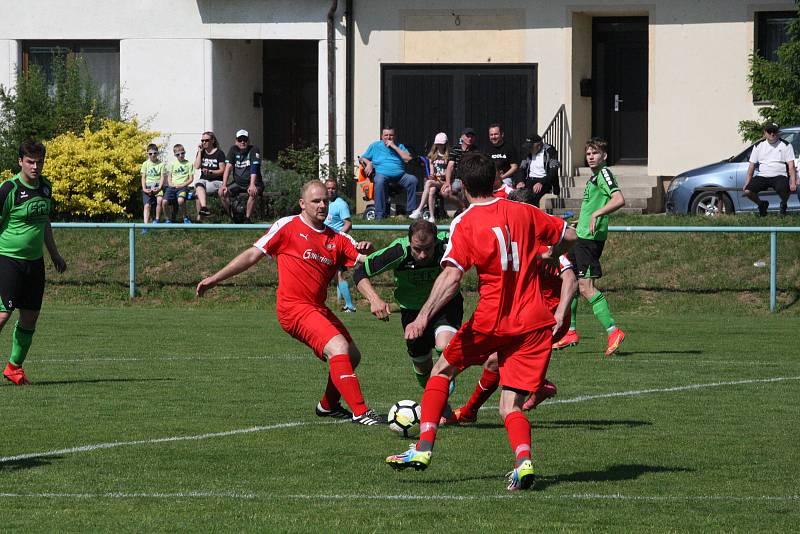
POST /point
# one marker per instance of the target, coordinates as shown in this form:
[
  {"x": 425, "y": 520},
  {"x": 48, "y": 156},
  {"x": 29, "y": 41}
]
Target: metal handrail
[{"x": 557, "y": 134}]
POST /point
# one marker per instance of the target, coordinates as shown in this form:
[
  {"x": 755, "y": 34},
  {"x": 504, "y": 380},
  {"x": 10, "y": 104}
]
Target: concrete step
[
  {"x": 574, "y": 204},
  {"x": 627, "y": 192}
]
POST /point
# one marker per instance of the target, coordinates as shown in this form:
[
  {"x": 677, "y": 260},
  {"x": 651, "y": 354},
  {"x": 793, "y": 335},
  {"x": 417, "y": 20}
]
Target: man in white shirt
[{"x": 774, "y": 158}]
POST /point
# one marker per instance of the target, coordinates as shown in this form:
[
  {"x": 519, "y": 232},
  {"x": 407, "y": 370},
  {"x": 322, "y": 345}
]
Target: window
[
  {"x": 772, "y": 30},
  {"x": 101, "y": 57}
]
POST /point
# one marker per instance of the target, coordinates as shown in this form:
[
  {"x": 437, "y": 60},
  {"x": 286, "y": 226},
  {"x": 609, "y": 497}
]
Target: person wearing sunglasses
[
  {"x": 244, "y": 165},
  {"x": 153, "y": 172},
  {"x": 181, "y": 174},
  {"x": 210, "y": 160}
]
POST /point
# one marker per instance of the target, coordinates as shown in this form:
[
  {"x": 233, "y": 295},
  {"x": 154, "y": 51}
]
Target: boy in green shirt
[
  {"x": 601, "y": 197},
  {"x": 181, "y": 174},
  {"x": 152, "y": 184}
]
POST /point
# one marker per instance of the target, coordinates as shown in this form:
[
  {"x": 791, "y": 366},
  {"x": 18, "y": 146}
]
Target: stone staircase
[{"x": 643, "y": 193}]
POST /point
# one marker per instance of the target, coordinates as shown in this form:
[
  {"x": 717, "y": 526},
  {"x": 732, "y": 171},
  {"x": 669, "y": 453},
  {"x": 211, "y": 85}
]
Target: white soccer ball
[{"x": 404, "y": 417}]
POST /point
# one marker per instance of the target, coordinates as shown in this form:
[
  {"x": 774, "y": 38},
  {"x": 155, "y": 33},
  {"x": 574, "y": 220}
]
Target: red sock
[
  {"x": 346, "y": 381},
  {"x": 434, "y": 400},
  {"x": 332, "y": 395},
  {"x": 486, "y": 386},
  {"x": 519, "y": 435}
]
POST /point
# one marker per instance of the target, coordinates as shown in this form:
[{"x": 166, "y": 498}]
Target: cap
[
  {"x": 533, "y": 138},
  {"x": 242, "y": 133},
  {"x": 440, "y": 139},
  {"x": 467, "y": 131}
]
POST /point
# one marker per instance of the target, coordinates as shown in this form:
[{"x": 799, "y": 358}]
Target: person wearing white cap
[
  {"x": 243, "y": 161},
  {"x": 437, "y": 166}
]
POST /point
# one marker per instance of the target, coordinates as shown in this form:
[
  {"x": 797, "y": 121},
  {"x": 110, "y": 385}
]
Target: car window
[
  {"x": 742, "y": 156},
  {"x": 792, "y": 137}
]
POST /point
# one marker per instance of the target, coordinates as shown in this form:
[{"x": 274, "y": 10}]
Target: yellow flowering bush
[{"x": 95, "y": 174}]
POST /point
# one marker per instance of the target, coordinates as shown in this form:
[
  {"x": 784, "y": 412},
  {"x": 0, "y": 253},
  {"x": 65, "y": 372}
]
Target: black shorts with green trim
[
  {"x": 448, "y": 318},
  {"x": 21, "y": 284},
  {"x": 585, "y": 256}
]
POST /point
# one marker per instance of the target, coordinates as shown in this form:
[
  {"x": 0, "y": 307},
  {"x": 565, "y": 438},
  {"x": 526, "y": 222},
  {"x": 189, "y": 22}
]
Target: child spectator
[
  {"x": 152, "y": 185},
  {"x": 437, "y": 166},
  {"x": 181, "y": 174}
]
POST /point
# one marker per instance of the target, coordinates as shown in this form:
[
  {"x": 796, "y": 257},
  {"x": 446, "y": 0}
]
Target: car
[{"x": 687, "y": 192}]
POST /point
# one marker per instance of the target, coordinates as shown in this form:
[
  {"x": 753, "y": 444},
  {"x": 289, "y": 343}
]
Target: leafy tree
[{"x": 777, "y": 82}]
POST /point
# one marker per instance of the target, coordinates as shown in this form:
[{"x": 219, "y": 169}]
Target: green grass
[{"x": 719, "y": 457}]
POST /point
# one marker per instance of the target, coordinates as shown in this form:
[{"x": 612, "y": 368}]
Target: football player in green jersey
[
  {"x": 414, "y": 259},
  {"x": 601, "y": 197},
  {"x": 25, "y": 202}
]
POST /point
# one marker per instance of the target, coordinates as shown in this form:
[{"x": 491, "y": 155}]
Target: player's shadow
[
  {"x": 591, "y": 424},
  {"x": 26, "y": 463},
  {"x": 98, "y": 381},
  {"x": 614, "y": 473}
]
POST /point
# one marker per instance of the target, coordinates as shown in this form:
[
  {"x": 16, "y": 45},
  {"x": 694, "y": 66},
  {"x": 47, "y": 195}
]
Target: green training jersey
[
  {"x": 24, "y": 213},
  {"x": 596, "y": 195},
  {"x": 152, "y": 172},
  {"x": 182, "y": 173},
  {"x": 413, "y": 282}
]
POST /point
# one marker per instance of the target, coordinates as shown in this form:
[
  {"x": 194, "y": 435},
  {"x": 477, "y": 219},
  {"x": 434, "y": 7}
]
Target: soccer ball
[{"x": 404, "y": 417}]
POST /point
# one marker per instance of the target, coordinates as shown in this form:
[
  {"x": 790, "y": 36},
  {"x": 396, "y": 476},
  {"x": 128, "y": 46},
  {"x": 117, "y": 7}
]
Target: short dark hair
[
  {"x": 421, "y": 226},
  {"x": 32, "y": 148},
  {"x": 388, "y": 128},
  {"x": 478, "y": 173},
  {"x": 496, "y": 125},
  {"x": 597, "y": 143},
  {"x": 152, "y": 146},
  {"x": 771, "y": 127},
  {"x": 524, "y": 195}
]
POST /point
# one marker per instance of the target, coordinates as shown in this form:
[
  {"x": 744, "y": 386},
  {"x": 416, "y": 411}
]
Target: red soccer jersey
[
  {"x": 307, "y": 259},
  {"x": 550, "y": 279},
  {"x": 502, "y": 192},
  {"x": 500, "y": 239}
]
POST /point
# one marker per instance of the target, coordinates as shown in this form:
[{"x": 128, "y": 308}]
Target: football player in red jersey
[
  {"x": 309, "y": 254},
  {"x": 502, "y": 240}
]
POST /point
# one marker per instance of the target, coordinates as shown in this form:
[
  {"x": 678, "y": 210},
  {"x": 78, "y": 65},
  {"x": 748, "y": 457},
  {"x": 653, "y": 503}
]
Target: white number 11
[{"x": 507, "y": 248}]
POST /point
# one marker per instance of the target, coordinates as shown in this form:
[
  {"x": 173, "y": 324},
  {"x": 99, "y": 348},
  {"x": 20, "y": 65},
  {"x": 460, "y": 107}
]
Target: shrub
[
  {"x": 96, "y": 174},
  {"x": 286, "y": 182}
]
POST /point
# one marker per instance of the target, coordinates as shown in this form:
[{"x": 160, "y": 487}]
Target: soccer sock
[
  {"x": 602, "y": 311},
  {"x": 484, "y": 389},
  {"x": 434, "y": 400},
  {"x": 344, "y": 289},
  {"x": 519, "y": 436},
  {"x": 422, "y": 378},
  {"x": 20, "y": 343},
  {"x": 332, "y": 395},
  {"x": 346, "y": 381},
  {"x": 573, "y": 309}
]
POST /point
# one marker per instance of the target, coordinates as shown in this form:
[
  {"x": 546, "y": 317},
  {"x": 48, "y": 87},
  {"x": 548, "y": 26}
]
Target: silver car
[{"x": 686, "y": 192}]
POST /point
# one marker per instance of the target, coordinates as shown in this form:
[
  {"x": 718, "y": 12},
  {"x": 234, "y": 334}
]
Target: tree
[{"x": 776, "y": 82}]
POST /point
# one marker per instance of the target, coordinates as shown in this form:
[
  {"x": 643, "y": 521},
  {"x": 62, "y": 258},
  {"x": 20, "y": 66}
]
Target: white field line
[
  {"x": 527, "y": 496},
  {"x": 115, "y": 444},
  {"x": 176, "y": 358}
]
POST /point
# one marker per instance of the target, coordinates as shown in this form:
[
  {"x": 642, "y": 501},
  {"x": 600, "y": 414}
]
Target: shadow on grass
[
  {"x": 614, "y": 473},
  {"x": 99, "y": 381},
  {"x": 27, "y": 463}
]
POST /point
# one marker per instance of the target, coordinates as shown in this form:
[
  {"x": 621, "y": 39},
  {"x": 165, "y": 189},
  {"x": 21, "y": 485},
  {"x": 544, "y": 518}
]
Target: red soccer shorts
[
  {"x": 313, "y": 325},
  {"x": 523, "y": 358}
]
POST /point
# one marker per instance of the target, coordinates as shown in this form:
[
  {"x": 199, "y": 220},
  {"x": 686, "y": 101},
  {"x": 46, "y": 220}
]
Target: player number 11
[{"x": 507, "y": 247}]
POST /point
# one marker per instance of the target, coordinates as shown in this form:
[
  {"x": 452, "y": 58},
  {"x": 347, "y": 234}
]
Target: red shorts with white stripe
[
  {"x": 313, "y": 325},
  {"x": 523, "y": 359}
]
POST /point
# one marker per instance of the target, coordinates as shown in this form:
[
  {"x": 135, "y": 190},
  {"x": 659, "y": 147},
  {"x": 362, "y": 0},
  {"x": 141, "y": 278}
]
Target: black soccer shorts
[
  {"x": 585, "y": 256},
  {"x": 449, "y": 317},
  {"x": 21, "y": 284}
]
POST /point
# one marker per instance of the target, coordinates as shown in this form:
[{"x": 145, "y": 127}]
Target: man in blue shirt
[
  {"x": 339, "y": 220},
  {"x": 388, "y": 160}
]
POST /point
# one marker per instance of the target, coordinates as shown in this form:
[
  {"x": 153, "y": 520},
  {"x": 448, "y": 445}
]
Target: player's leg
[
  {"x": 28, "y": 277},
  {"x": 342, "y": 375},
  {"x": 485, "y": 388},
  {"x": 518, "y": 429},
  {"x": 602, "y": 311},
  {"x": 344, "y": 290}
]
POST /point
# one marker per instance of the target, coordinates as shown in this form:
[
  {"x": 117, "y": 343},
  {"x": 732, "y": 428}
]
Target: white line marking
[
  {"x": 177, "y": 358},
  {"x": 525, "y": 495}
]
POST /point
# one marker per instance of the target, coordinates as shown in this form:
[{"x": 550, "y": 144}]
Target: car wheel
[
  {"x": 369, "y": 213},
  {"x": 711, "y": 204}
]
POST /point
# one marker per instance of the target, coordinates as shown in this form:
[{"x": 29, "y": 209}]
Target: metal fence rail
[{"x": 773, "y": 232}]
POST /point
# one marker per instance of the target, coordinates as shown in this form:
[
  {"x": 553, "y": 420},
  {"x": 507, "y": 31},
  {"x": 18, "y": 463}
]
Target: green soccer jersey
[
  {"x": 597, "y": 193},
  {"x": 182, "y": 173},
  {"x": 24, "y": 213},
  {"x": 152, "y": 172},
  {"x": 413, "y": 282}
]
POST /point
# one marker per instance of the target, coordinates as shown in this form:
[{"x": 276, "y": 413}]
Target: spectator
[
  {"x": 437, "y": 166},
  {"x": 211, "y": 162},
  {"x": 503, "y": 154},
  {"x": 152, "y": 185},
  {"x": 387, "y": 160},
  {"x": 774, "y": 157},
  {"x": 540, "y": 168},
  {"x": 244, "y": 163},
  {"x": 338, "y": 219},
  {"x": 181, "y": 174},
  {"x": 452, "y": 187}
]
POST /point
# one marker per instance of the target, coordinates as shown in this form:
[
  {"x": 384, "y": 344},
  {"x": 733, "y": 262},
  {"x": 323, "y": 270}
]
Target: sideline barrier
[{"x": 773, "y": 232}]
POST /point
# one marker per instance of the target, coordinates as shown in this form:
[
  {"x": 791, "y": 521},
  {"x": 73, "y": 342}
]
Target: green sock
[
  {"x": 422, "y": 378},
  {"x": 573, "y": 313},
  {"x": 602, "y": 311},
  {"x": 20, "y": 343}
]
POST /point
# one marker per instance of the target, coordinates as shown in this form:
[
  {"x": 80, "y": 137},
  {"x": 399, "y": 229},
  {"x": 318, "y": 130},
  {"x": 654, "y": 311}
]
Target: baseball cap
[
  {"x": 533, "y": 138},
  {"x": 467, "y": 131},
  {"x": 440, "y": 139},
  {"x": 242, "y": 133}
]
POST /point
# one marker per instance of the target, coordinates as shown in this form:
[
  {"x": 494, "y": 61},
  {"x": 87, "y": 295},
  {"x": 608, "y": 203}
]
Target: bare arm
[
  {"x": 615, "y": 203},
  {"x": 198, "y": 157},
  {"x": 569, "y": 239},
  {"x": 347, "y": 225},
  {"x": 569, "y": 284},
  {"x": 749, "y": 176},
  {"x": 52, "y": 249},
  {"x": 377, "y": 306},
  {"x": 792, "y": 176},
  {"x": 237, "y": 265},
  {"x": 511, "y": 170},
  {"x": 144, "y": 182},
  {"x": 444, "y": 288}
]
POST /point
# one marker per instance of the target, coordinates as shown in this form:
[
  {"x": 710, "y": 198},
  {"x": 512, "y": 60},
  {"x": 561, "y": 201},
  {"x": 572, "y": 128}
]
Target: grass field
[{"x": 200, "y": 418}]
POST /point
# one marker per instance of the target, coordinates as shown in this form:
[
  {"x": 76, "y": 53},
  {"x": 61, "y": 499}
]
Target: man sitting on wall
[{"x": 387, "y": 160}]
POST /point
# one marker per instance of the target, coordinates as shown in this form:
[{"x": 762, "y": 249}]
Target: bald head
[{"x": 314, "y": 203}]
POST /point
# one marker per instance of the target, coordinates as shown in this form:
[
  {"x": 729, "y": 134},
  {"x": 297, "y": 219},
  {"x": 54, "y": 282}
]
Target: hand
[
  {"x": 592, "y": 222},
  {"x": 520, "y": 185},
  {"x": 59, "y": 263},
  {"x": 204, "y": 285},
  {"x": 446, "y": 188},
  {"x": 792, "y": 186},
  {"x": 415, "y": 329},
  {"x": 380, "y": 309},
  {"x": 252, "y": 191},
  {"x": 368, "y": 170},
  {"x": 559, "y": 317},
  {"x": 536, "y": 187},
  {"x": 223, "y": 190},
  {"x": 364, "y": 247},
  {"x": 389, "y": 144},
  {"x": 199, "y": 146}
]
